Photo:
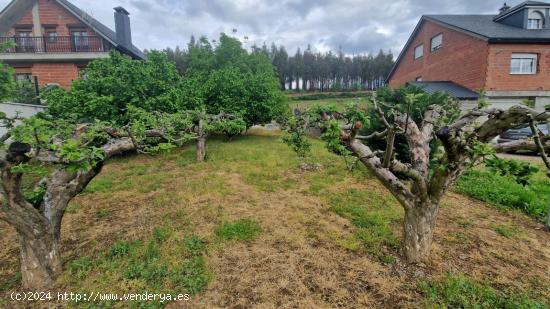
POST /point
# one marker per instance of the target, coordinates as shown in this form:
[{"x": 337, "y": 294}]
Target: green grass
[
  {"x": 340, "y": 103},
  {"x": 374, "y": 215},
  {"x": 457, "y": 291},
  {"x": 100, "y": 184},
  {"x": 240, "y": 230},
  {"x": 168, "y": 262},
  {"x": 507, "y": 231},
  {"x": 12, "y": 282},
  {"x": 505, "y": 192}
]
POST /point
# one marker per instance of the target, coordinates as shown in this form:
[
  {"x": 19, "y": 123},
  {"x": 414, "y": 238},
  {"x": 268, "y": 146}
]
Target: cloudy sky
[{"x": 357, "y": 26}]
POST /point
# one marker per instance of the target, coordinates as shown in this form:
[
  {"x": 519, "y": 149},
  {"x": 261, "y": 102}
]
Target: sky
[{"x": 354, "y": 26}]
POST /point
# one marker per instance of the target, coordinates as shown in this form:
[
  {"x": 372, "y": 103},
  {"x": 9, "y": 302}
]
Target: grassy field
[
  {"x": 248, "y": 228},
  {"x": 341, "y": 103},
  {"x": 505, "y": 193}
]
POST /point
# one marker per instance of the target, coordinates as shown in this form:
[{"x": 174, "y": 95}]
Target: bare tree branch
[
  {"x": 388, "y": 179},
  {"x": 373, "y": 136},
  {"x": 539, "y": 144}
]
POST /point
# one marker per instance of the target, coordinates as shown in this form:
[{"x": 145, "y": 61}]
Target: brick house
[
  {"x": 54, "y": 40},
  {"x": 507, "y": 54}
]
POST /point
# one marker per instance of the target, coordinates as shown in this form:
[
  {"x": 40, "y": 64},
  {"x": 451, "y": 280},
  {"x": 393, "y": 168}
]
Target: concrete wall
[{"x": 25, "y": 111}]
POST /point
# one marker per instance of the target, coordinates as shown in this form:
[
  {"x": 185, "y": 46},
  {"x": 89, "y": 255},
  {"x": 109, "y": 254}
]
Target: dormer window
[{"x": 535, "y": 20}]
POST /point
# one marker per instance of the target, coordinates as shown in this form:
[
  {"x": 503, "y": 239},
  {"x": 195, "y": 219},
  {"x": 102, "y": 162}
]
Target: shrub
[
  {"x": 116, "y": 82},
  {"x": 227, "y": 78},
  {"x": 505, "y": 191}
]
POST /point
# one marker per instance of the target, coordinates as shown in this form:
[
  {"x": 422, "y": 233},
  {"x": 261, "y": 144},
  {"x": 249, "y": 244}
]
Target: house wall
[
  {"x": 498, "y": 73},
  {"x": 51, "y": 15},
  {"x": 462, "y": 59}
]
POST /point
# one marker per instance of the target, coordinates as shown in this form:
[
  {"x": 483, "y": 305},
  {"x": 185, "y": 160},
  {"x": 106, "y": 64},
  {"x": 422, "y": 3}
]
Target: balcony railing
[{"x": 55, "y": 44}]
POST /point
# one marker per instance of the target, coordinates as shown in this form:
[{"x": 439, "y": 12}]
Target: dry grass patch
[{"x": 328, "y": 238}]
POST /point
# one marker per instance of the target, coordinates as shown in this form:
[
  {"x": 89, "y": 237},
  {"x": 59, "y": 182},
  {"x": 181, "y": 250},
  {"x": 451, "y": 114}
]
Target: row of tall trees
[{"x": 309, "y": 70}]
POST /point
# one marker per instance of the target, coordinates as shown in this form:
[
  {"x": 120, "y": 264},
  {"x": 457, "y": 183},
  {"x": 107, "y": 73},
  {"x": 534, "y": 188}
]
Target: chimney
[
  {"x": 504, "y": 8},
  {"x": 122, "y": 27}
]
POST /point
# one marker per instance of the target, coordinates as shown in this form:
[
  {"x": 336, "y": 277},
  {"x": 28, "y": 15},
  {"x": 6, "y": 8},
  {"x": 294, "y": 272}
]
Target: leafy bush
[
  {"x": 500, "y": 190},
  {"x": 117, "y": 82},
  {"x": 226, "y": 78},
  {"x": 457, "y": 291},
  {"x": 25, "y": 92},
  {"x": 522, "y": 172}
]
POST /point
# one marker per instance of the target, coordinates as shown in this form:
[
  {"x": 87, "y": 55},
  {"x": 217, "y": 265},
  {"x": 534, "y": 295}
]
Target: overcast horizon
[{"x": 355, "y": 26}]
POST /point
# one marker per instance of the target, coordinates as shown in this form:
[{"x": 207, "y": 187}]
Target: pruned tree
[
  {"x": 425, "y": 172},
  {"x": 76, "y": 154},
  {"x": 205, "y": 124}
]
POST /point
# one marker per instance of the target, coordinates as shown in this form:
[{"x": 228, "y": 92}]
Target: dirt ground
[{"x": 298, "y": 261}]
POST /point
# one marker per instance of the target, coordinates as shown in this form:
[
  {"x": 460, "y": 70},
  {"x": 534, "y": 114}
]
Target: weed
[
  {"x": 457, "y": 291},
  {"x": 192, "y": 275},
  {"x": 102, "y": 213},
  {"x": 506, "y": 230},
  {"x": 11, "y": 283},
  {"x": 73, "y": 208},
  {"x": 120, "y": 249},
  {"x": 244, "y": 229},
  {"x": 99, "y": 185},
  {"x": 80, "y": 267},
  {"x": 372, "y": 214}
]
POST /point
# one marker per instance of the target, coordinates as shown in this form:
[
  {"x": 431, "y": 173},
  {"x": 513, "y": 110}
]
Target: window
[
  {"x": 418, "y": 79},
  {"x": 419, "y": 51},
  {"x": 534, "y": 23},
  {"x": 24, "y": 41},
  {"x": 52, "y": 36},
  {"x": 523, "y": 64},
  {"x": 535, "y": 20},
  {"x": 80, "y": 40},
  {"x": 23, "y": 77},
  {"x": 437, "y": 42}
]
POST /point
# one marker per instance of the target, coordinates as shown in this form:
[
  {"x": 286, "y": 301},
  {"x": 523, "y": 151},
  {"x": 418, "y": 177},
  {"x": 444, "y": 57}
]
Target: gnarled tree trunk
[
  {"x": 202, "y": 136},
  {"x": 418, "y": 230},
  {"x": 40, "y": 258},
  {"x": 39, "y": 228},
  {"x": 201, "y": 148}
]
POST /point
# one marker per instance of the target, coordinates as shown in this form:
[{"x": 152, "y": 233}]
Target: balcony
[{"x": 55, "y": 44}]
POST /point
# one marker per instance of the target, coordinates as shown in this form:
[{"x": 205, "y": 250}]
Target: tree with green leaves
[
  {"x": 114, "y": 83},
  {"x": 441, "y": 146},
  {"x": 226, "y": 78},
  {"x": 68, "y": 156}
]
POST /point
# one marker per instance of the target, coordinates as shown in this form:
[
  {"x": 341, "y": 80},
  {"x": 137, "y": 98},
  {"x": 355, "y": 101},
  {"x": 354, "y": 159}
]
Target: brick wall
[
  {"x": 59, "y": 73},
  {"x": 52, "y": 14},
  {"x": 462, "y": 59},
  {"x": 499, "y": 77},
  {"x": 52, "y": 73}
]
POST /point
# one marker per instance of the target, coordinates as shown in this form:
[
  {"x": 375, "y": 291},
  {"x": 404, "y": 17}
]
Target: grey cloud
[{"x": 357, "y": 26}]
